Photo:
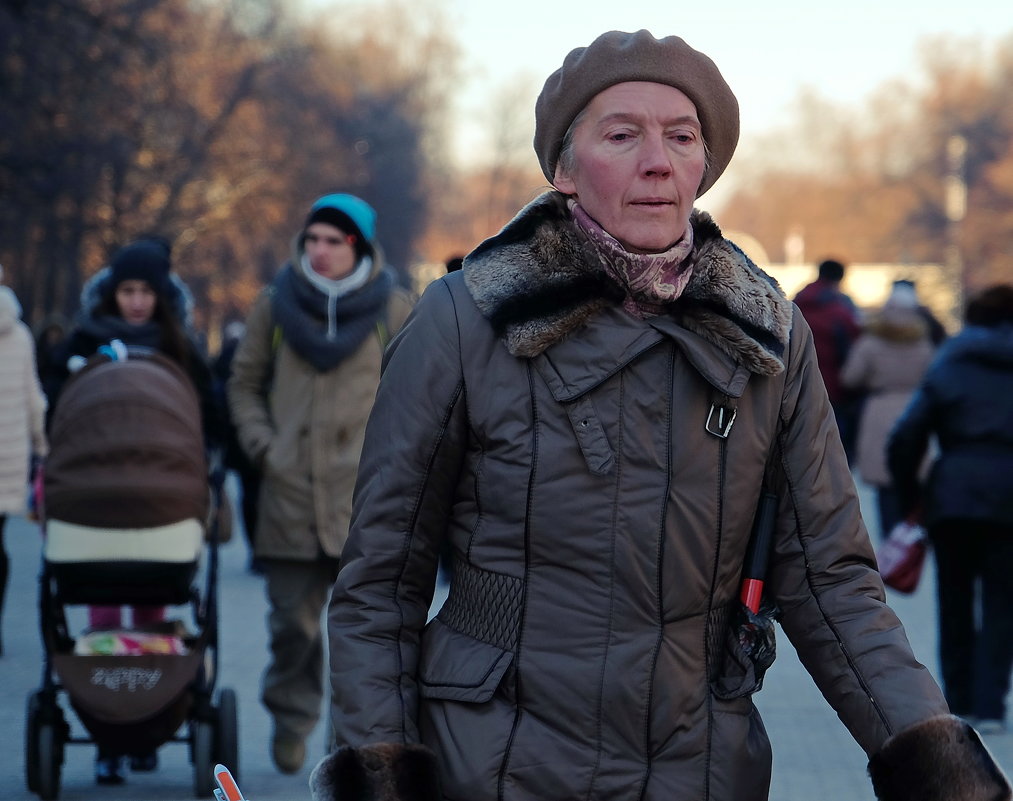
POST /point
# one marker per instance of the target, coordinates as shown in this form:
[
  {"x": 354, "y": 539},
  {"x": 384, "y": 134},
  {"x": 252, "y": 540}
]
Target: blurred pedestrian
[
  {"x": 589, "y": 411},
  {"x": 885, "y": 365},
  {"x": 234, "y": 457},
  {"x": 49, "y": 335},
  {"x": 137, "y": 300},
  {"x": 140, "y": 301},
  {"x": 303, "y": 381},
  {"x": 834, "y": 320},
  {"x": 937, "y": 331},
  {"x": 965, "y": 403},
  {"x": 22, "y": 420}
]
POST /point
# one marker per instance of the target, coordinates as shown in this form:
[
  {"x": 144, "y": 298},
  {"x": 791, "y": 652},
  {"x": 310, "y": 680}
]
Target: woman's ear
[{"x": 562, "y": 181}]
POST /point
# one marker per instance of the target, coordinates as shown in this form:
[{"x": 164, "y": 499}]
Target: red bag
[{"x": 902, "y": 556}]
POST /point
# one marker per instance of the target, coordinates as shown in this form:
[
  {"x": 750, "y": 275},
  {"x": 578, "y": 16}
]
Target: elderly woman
[{"x": 588, "y": 413}]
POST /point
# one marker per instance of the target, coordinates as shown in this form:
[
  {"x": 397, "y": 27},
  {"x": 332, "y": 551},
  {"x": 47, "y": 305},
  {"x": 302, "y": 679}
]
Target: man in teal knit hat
[{"x": 302, "y": 385}]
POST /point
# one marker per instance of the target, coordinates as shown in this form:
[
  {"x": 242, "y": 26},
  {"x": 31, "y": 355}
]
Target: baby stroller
[{"x": 128, "y": 511}]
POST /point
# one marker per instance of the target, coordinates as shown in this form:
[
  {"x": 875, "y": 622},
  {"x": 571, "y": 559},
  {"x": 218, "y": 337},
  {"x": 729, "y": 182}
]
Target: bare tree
[{"x": 869, "y": 184}]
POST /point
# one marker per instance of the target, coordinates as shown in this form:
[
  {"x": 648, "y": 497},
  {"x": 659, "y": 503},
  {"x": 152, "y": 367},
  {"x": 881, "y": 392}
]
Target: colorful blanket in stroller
[{"x": 128, "y": 643}]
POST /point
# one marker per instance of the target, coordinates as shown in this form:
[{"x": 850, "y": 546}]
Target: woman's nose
[{"x": 655, "y": 158}]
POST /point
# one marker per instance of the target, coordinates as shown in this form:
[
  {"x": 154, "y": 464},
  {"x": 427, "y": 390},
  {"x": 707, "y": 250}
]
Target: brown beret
[{"x": 617, "y": 57}]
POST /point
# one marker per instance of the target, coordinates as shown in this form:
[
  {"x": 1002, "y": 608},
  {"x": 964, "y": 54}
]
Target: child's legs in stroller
[
  {"x": 146, "y": 615},
  {"x": 111, "y": 617},
  {"x": 108, "y": 763}
]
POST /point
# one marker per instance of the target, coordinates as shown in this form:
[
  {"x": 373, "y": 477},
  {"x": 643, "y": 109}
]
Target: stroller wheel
[
  {"x": 32, "y": 742},
  {"x": 202, "y": 745},
  {"x": 50, "y": 761},
  {"x": 45, "y": 734},
  {"x": 227, "y": 731}
]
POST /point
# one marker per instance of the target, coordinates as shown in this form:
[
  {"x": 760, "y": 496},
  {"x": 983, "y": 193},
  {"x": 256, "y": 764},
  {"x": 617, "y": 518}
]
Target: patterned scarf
[{"x": 651, "y": 280}]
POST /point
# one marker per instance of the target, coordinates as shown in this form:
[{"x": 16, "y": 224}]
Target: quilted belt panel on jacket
[{"x": 484, "y": 605}]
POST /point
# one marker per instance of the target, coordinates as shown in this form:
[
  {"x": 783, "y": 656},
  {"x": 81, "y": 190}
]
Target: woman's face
[
  {"x": 330, "y": 250},
  {"x": 637, "y": 162},
  {"x": 136, "y": 301}
]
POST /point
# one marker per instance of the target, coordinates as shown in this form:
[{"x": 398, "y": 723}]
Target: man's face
[
  {"x": 136, "y": 301},
  {"x": 638, "y": 159},
  {"x": 330, "y": 250}
]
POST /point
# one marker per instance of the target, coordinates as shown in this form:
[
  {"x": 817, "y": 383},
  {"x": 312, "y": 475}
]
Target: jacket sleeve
[
  {"x": 246, "y": 390},
  {"x": 36, "y": 400},
  {"x": 833, "y": 605},
  {"x": 906, "y": 446},
  {"x": 824, "y": 576},
  {"x": 411, "y": 459},
  {"x": 212, "y": 415}
]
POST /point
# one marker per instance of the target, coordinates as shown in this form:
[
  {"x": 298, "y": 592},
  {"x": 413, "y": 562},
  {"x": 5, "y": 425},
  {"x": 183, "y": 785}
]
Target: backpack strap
[{"x": 382, "y": 332}]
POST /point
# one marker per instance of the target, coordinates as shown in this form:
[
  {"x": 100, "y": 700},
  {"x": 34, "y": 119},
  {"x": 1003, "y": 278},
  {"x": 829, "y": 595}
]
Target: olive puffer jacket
[
  {"x": 304, "y": 427},
  {"x": 596, "y": 477}
]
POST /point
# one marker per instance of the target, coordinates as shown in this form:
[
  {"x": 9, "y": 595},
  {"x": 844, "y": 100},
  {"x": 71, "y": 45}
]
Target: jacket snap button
[{"x": 583, "y": 423}]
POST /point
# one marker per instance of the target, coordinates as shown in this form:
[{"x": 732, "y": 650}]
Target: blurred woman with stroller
[{"x": 137, "y": 301}]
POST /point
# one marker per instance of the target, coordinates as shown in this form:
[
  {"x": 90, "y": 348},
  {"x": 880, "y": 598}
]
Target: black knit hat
[{"x": 145, "y": 260}]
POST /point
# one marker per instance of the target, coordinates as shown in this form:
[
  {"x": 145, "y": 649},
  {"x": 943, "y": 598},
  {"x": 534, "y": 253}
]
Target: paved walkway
[{"x": 814, "y": 757}]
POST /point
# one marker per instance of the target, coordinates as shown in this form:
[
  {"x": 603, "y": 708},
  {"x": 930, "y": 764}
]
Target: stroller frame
[{"x": 201, "y": 715}]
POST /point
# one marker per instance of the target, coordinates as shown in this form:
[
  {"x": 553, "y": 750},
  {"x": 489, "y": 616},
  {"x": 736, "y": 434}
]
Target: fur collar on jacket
[
  {"x": 537, "y": 282},
  {"x": 178, "y": 293}
]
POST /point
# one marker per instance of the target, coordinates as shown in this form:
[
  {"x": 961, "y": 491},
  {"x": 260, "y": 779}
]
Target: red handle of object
[
  {"x": 752, "y": 589},
  {"x": 228, "y": 784}
]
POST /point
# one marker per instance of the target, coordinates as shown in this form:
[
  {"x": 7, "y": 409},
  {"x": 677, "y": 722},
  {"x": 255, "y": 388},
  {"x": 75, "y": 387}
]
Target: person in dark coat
[
  {"x": 136, "y": 300},
  {"x": 234, "y": 457},
  {"x": 834, "y": 321},
  {"x": 967, "y": 505},
  {"x": 589, "y": 412}
]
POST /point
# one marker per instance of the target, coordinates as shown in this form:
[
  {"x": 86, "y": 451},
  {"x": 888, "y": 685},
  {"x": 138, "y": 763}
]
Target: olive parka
[
  {"x": 303, "y": 427},
  {"x": 598, "y": 500}
]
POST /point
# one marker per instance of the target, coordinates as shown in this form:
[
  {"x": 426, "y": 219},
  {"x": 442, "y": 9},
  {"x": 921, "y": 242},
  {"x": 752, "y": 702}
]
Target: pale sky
[{"x": 767, "y": 50}]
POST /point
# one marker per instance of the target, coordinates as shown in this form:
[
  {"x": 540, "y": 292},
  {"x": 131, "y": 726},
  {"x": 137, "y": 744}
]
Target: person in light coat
[
  {"x": 22, "y": 419},
  {"x": 588, "y": 414},
  {"x": 885, "y": 366}
]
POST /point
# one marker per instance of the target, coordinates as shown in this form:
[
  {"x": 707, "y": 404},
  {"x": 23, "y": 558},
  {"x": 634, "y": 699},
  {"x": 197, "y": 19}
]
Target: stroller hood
[{"x": 126, "y": 446}]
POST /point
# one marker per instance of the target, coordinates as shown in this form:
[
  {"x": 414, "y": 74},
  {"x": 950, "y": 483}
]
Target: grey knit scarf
[{"x": 302, "y": 311}]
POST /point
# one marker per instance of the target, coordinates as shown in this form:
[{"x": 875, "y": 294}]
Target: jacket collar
[{"x": 537, "y": 282}]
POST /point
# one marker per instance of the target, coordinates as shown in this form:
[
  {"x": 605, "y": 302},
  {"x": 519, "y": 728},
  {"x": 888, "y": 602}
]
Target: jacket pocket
[
  {"x": 456, "y": 667},
  {"x": 742, "y": 646}
]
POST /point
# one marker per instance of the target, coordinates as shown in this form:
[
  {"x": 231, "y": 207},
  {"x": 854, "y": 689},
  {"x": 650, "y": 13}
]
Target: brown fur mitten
[
  {"x": 380, "y": 772},
  {"x": 939, "y": 759}
]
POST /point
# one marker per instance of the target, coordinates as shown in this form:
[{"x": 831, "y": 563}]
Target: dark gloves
[
  {"x": 380, "y": 772},
  {"x": 940, "y": 759}
]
